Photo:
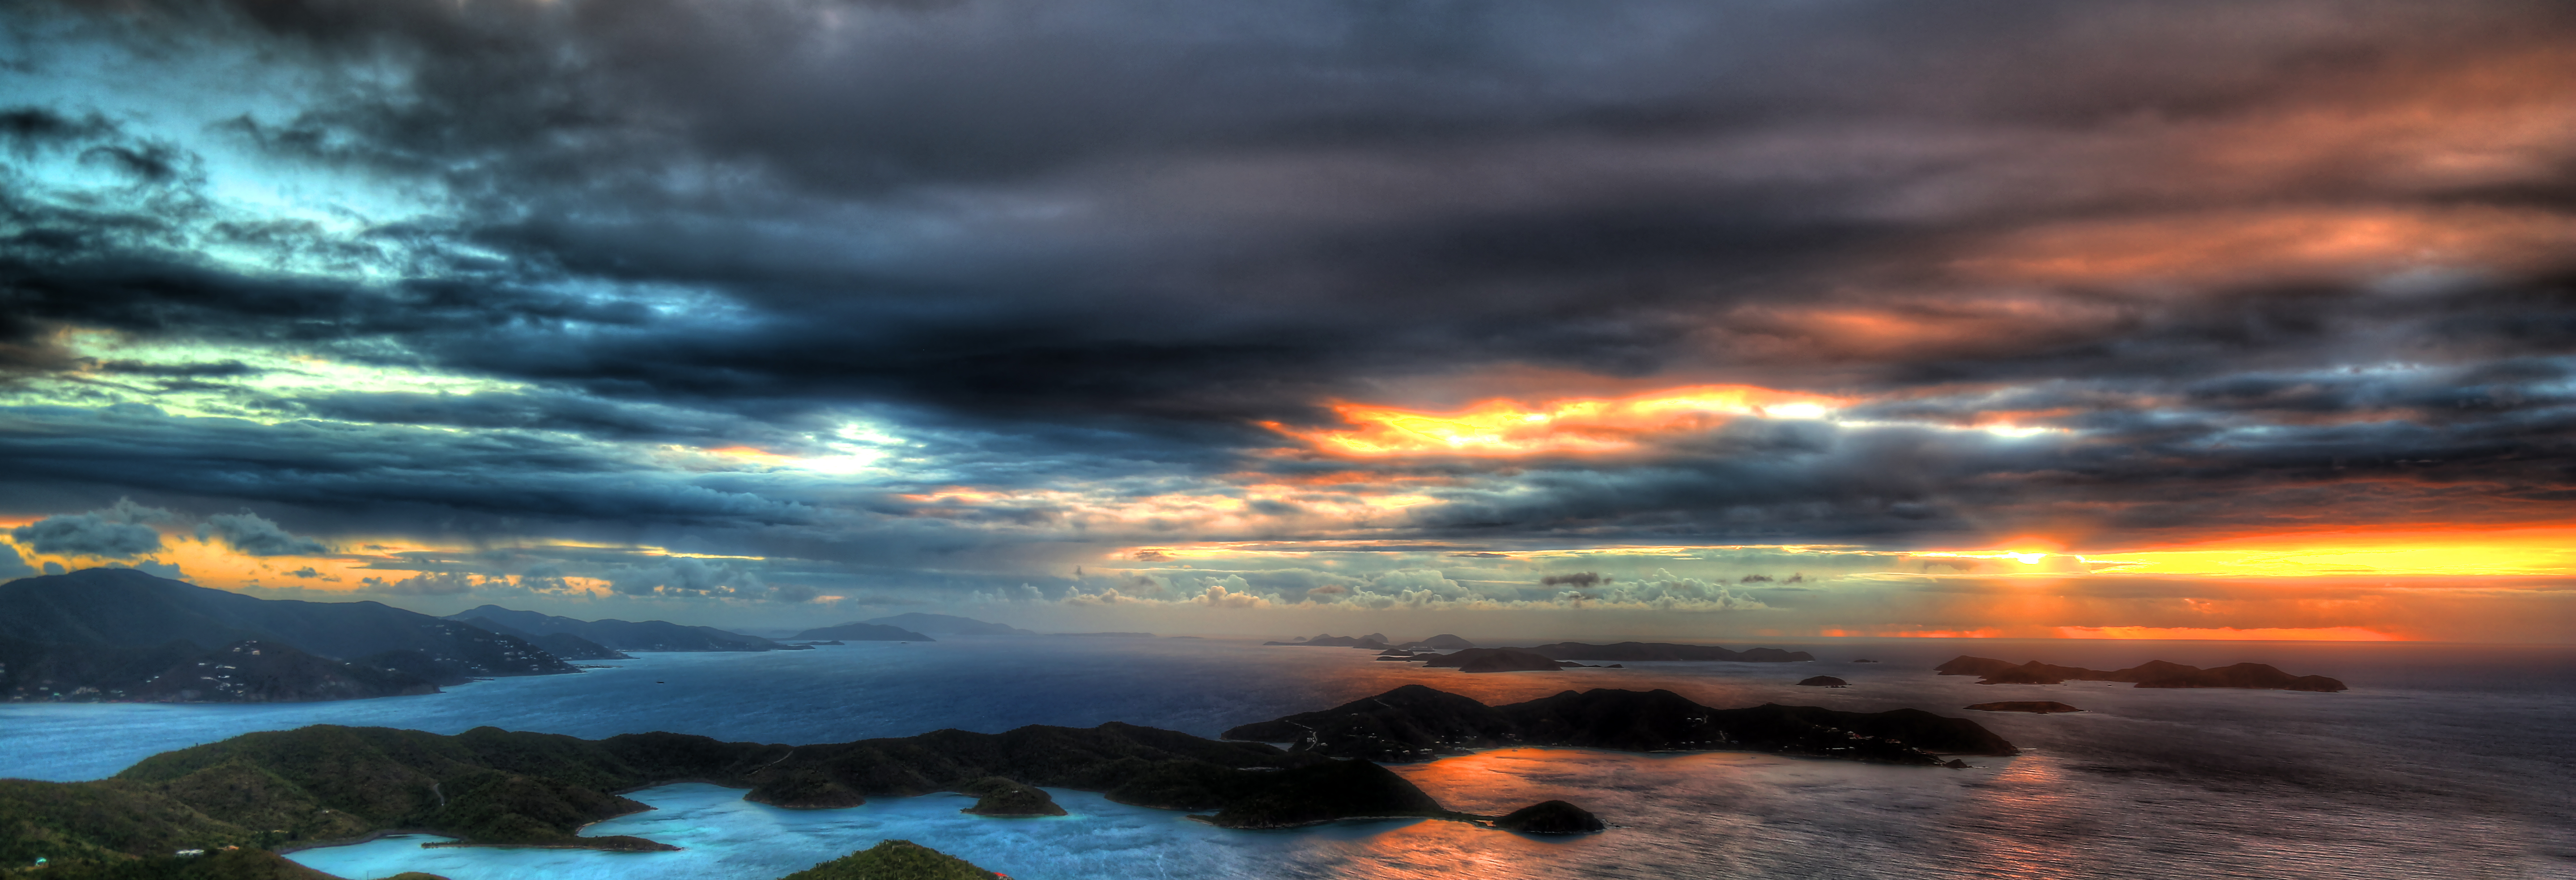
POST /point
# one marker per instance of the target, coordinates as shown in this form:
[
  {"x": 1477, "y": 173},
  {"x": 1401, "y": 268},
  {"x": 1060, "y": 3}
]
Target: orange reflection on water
[
  {"x": 1499, "y": 781},
  {"x": 2017, "y": 812}
]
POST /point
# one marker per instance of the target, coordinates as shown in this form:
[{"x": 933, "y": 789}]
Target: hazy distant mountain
[
  {"x": 1372, "y": 641},
  {"x": 1640, "y": 651},
  {"x": 865, "y": 632},
  {"x": 948, "y": 625},
  {"x": 250, "y": 671},
  {"x": 472, "y": 652},
  {"x": 561, "y": 644},
  {"x": 125, "y": 608},
  {"x": 650, "y": 635}
]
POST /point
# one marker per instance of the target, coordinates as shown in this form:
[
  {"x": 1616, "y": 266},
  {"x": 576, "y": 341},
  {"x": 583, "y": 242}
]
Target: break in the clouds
[{"x": 777, "y": 302}]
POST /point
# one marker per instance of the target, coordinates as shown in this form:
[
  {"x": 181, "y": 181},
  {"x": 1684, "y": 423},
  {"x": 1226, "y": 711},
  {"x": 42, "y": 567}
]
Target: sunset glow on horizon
[{"x": 2146, "y": 322}]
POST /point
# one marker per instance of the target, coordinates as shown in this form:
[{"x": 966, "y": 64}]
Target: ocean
[{"x": 2441, "y": 761}]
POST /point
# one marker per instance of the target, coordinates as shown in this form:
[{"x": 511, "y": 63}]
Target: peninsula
[
  {"x": 1417, "y": 723},
  {"x": 121, "y": 635}
]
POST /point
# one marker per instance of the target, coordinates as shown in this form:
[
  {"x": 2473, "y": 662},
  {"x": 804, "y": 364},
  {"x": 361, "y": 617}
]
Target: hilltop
[{"x": 117, "y": 634}]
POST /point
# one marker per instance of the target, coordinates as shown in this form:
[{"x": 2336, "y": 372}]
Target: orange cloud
[
  {"x": 1579, "y": 425},
  {"x": 2231, "y": 634},
  {"x": 2278, "y": 244}
]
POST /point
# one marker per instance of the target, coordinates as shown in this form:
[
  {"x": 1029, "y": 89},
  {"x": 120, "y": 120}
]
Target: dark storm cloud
[
  {"x": 254, "y": 535},
  {"x": 1440, "y": 155},
  {"x": 120, "y": 532},
  {"x": 1061, "y": 245},
  {"x": 353, "y": 469},
  {"x": 28, "y": 129}
]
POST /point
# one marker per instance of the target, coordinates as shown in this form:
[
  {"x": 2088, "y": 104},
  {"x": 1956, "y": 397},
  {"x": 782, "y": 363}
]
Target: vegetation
[
  {"x": 486, "y": 785},
  {"x": 240, "y": 864},
  {"x": 894, "y": 860},
  {"x": 996, "y": 796}
]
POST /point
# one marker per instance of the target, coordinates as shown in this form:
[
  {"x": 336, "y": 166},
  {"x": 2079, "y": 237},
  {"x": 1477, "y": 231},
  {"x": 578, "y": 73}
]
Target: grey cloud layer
[{"x": 1094, "y": 245}]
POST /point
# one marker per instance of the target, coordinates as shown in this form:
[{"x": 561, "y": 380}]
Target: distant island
[
  {"x": 863, "y": 632},
  {"x": 1466, "y": 654},
  {"x": 1642, "y": 651},
  {"x": 948, "y": 625},
  {"x": 1417, "y": 723},
  {"x": 1372, "y": 641},
  {"x": 2151, "y": 674},
  {"x": 2039, "y": 707},
  {"x": 912, "y": 627},
  {"x": 1491, "y": 660},
  {"x": 650, "y": 635}
]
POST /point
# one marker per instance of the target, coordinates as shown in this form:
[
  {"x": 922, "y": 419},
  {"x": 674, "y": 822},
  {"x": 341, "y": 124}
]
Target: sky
[{"x": 1687, "y": 320}]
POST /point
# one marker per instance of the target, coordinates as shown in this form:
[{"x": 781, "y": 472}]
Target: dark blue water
[{"x": 2443, "y": 761}]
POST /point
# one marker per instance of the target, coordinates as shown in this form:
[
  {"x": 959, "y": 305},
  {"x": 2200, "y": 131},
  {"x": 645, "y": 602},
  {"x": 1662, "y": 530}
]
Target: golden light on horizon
[
  {"x": 1504, "y": 427},
  {"x": 2230, "y": 634},
  {"x": 2528, "y": 551}
]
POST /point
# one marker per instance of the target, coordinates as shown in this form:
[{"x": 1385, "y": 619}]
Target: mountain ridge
[{"x": 621, "y": 635}]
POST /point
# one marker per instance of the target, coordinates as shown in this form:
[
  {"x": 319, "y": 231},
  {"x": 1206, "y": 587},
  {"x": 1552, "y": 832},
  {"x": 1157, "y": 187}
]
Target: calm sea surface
[{"x": 2442, "y": 761}]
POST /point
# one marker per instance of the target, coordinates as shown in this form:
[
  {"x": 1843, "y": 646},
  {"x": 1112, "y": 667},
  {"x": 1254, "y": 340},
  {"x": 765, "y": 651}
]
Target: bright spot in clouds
[{"x": 1577, "y": 425}]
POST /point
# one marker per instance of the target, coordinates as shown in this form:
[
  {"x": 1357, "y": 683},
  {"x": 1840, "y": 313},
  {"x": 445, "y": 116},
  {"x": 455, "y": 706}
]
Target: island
[
  {"x": 862, "y": 632},
  {"x": 622, "y": 635},
  {"x": 2040, "y": 707},
  {"x": 2151, "y": 674},
  {"x": 1637, "y": 651},
  {"x": 1418, "y": 723},
  {"x": 948, "y": 625},
  {"x": 996, "y": 796},
  {"x": 1551, "y": 817},
  {"x": 1563, "y": 655},
  {"x": 1824, "y": 681},
  {"x": 1372, "y": 641},
  {"x": 1496, "y": 660}
]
